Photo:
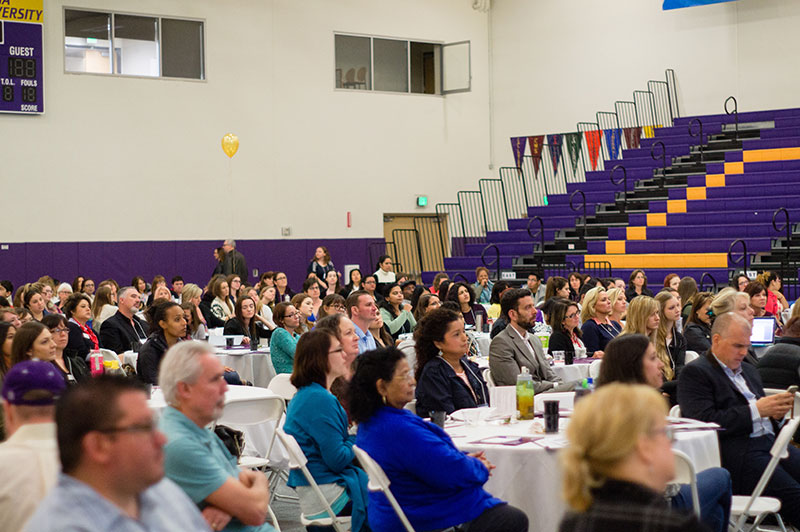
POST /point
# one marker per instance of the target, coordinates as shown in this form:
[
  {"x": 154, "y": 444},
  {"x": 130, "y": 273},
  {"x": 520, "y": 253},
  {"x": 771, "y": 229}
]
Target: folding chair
[
  {"x": 594, "y": 368},
  {"x": 675, "y": 411},
  {"x": 281, "y": 385},
  {"x": 755, "y": 505},
  {"x": 411, "y": 406},
  {"x": 298, "y": 460},
  {"x": 685, "y": 474},
  {"x": 378, "y": 481},
  {"x": 487, "y": 378}
]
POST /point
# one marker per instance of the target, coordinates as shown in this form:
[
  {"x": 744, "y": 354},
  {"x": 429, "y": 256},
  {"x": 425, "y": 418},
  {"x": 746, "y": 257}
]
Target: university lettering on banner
[
  {"x": 518, "y": 148},
  {"x": 614, "y": 143},
  {"x": 632, "y": 135},
  {"x": 593, "y": 146},
  {"x": 573, "y": 142},
  {"x": 537, "y": 145},
  {"x": 554, "y": 141}
]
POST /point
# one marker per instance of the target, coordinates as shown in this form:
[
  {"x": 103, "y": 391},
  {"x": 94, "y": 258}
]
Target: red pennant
[
  {"x": 593, "y": 139},
  {"x": 537, "y": 145},
  {"x": 632, "y": 136}
]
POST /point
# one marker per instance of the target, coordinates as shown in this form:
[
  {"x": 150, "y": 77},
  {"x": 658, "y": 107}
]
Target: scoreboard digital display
[{"x": 21, "y": 51}]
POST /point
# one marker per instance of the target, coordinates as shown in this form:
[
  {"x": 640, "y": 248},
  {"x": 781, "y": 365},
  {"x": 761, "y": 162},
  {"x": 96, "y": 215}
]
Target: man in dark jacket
[
  {"x": 234, "y": 262},
  {"x": 124, "y": 331}
]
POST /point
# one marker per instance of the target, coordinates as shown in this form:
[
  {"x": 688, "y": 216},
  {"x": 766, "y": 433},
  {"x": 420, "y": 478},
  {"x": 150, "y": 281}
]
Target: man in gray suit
[
  {"x": 515, "y": 347},
  {"x": 234, "y": 262}
]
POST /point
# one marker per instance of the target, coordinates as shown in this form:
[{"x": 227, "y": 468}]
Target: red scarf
[{"x": 88, "y": 333}]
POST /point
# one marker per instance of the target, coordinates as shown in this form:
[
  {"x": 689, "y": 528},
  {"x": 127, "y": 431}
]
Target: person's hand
[
  {"x": 485, "y": 461},
  {"x": 216, "y": 518},
  {"x": 775, "y": 406},
  {"x": 598, "y": 354},
  {"x": 227, "y": 369},
  {"x": 245, "y": 341}
]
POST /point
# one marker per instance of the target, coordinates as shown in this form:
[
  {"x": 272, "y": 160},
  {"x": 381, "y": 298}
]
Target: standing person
[
  {"x": 698, "y": 327},
  {"x": 72, "y": 367},
  {"x": 461, "y": 294},
  {"x": 384, "y": 273},
  {"x": 321, "y": 263},
  {"x": 219, "y": 258},
  {"x": 483, "y": 286},
  {"x": 395, "y": 314},
  {"x": 82, "y": 339},
  {"x": 361, "y": 309},
  {"x": 169, "y": 327},
  {"x": 125, "y": 331},
  {"x": 597, "y": 328},
  {"x": 284, "y": 338},
  {"x": 282, "y": 290},
  {"x": 234, "y": 262},
  {"x": 29, "y": 457},
  {"x": 619, "y": 462},
  {"x": 354, "y": 284},
  {"x": 637, "y": 285}
]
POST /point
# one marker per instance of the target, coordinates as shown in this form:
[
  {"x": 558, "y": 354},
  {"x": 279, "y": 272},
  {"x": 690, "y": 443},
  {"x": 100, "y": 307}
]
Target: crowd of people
[{"x": 358, "y": 353}]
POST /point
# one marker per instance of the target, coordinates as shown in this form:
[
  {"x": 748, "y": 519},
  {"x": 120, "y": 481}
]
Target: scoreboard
[{"x": 21, "y": 51}]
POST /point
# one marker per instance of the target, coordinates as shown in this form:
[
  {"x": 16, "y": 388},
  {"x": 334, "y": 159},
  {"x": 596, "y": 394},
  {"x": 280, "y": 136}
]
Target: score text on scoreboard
[{"x": 21, "y": 51}]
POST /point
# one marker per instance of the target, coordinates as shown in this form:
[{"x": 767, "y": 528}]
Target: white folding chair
[
  {"x": 755, "y": 505},
  {"x": 378, "y": 481},
  {"x": 690, "y": 356},
  {"x": 281, "y": 385},
  {"x": 675, "y": 411},
  {"x": 594, "y": 368},
  {"x": 487, "y": 377},
  {"x": 254, "y": 412},
  {"x": 411, "y": 406},
  {"x": 685, "y": 473},
  {"x": 298, "y": 460}
]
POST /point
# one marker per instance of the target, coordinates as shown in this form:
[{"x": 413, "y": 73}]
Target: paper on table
[
  {"x": 553, "y": 443},
  {"x": 507, "y": 440},
  {"x": 503, "y": 399}
]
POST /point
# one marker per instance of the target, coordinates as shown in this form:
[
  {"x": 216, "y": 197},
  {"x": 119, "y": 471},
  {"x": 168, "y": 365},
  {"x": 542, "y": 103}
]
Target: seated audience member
[
  {"x": 697, "y": 329},
  {"x": 112, "y": 465},
  {"x": 408, "y": 288},
  {"x": 177, "y": 288},
  {"x": 195, "y": 329},
  {"x": 542, "y": 314},
  {"x": 124, "y": 331},
  {"x": 632, "y": 359},
  {"x": 29, "y": 457},
  {"x": 244, "y": 321},
  {"x": 739, "y": 282},
  {"x": 7, "y": 332},
  {"x": 312, "y": 290},
  {"x": 32, "y": 341},
  {"x": 575, "y": 280},
  {"x": 670, "y": 344},
  {"x": 77, "y": 285},
  {"x": 158, "y": 280},
  {"x": 72, "y": 367},
  {"x": 6, "y": 289},
  {"x": 686, "y": 292},
  {"x": 318, "y": 422},
  {"x": 48, "y": 288},
  {"x": 637, "y": 285},
  {"x": 619, "y": 307},
  {"x": 499, "y": 288},
  {"x": 482, "y": 289},
  {"x": 140, "y": 285},
  {"x": 643, "y": 317},
  {"x": 64, "y": 291},
  {"x": 780, "y": 365},
  {"x": 24, "y": 315},
  {"x": 729, "y": 300},
  {"x": 8, "y": 315},
  {"x": 758, "y": 302},
  {"x": 370, "y": 286},
  {"x": 776, "y": 302},
  {"x": 462, "y": 294},
  {"x": 566, "y": 335},
  {"x": 425, "y": 304},
  {"x": 191, "y": 378},
  {"x": 719, "y": 388},
  {"x": 618, "y": 463},
  {"x": 282, "y": 290},
  {"x": 332, "y": 281},
  {"x": 672, "y": 280},
  {"x": 444, "y": 288},
  {"x": 103, "y": 307},
  {"x": 556, "y": 287},
  {"x": 221, "y": 307},
  {"x": 597, "y": 328},
  {"x": 353, "y": 285},
  {"x": 331, "y": 304},
  {"x": 395, "y": 438},
  {"x": 212, "y": 321},
  {"x": 515, "y": 347},
  {"x": 169, "y": 327},
  {"x": 396, "y": 315},
  {"x": 362, "y": 311},
  {"x": 536, "y": 287},
  {"x": 305, "y": 313},
  {"x": 161, "y": 293},
  {"x": 343, "y": 328},
  {"x": 267, "y": 279},
  {"x": 380, "y": 332},
  {"x": 193, "y": 295},
  {"x": 284, "y": 338},
  {"x": 267, "y": 306},
  {"x": 34, "y": 301},
  {"x": 446, "y": 379},
  {"x": 82, "y": 339}
]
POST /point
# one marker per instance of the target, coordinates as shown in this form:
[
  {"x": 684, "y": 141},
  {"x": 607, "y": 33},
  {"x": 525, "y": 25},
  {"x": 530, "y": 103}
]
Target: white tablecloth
[
  {"x": 573, "y": 372},
  {"x": 252, "y": 366},
  {"x": 528, "y": 476},
  {"x": 257, "y": 438}
]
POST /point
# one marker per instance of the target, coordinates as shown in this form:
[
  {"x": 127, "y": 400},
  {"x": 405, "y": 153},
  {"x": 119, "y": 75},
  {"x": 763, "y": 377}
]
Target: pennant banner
[
  {"x": 573, "y": 142},
  {"x": 518, "y": 148},
  {"x": 593, "y": 145},
  {"x": 632, "y": 135},
  {"x": 537, "y": 145},
  {"x": 554, "y": 141},
  {"x": 614, "y": 142},
  {"x": 677, "y": 4}
]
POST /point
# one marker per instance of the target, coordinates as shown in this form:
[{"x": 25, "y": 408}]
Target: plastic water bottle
[
  {"x": 585, "y": 387},
  {"x": 525, "y": 394},
  {"x": 96, "y": 363}
]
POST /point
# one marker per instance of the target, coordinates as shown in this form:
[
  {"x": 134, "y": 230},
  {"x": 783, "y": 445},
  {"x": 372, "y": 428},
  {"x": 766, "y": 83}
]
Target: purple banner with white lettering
[
  {"x": 518, "y": 147},
  {"x": 554, "y": 141}
]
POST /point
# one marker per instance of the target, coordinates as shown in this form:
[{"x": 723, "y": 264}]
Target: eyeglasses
[
  {"x": 408, "y": 376},
  {"x": 59, "y": 330},
  {"x": 573, "y": 315},
  {"x": 337, "y": 350},
  {"x": 339, "y": 307},
  {"x": 148, "y": 427},
  {"x": 292, "y": 315}
]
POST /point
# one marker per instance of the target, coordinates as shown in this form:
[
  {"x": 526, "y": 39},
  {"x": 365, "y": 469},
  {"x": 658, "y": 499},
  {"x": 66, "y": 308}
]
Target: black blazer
[
  {"x": 118, "y": 335},
  {"x": 780, "y": 365},
  {"x": 439, "y": 388},
  {"x": 698, "y": 337},
  {"x": 150, "y": 358},
  {"x": 77, "y": 345},
  {"x": 559, "y": 341},
  {"x": 707, "y": 394}
]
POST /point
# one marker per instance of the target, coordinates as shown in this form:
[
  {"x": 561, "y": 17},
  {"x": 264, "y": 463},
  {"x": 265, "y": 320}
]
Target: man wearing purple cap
[{"x": 29, "y": 457}]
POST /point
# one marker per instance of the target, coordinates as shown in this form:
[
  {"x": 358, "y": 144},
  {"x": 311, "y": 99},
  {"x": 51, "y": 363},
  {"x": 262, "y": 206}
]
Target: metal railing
[
  {"x": 495, "y": 207},
  {"x": 735, "y": 112},
  {"x": 663, "y": 105},
  {"x": 699, "y": 135},
  {"x": 712, "y": 286},
  {"x": 646, "y": 112},
  {"x": 743, "y": 260},
  {"x": 672, "y": 86},
  {"x": 624, "y": 182}
]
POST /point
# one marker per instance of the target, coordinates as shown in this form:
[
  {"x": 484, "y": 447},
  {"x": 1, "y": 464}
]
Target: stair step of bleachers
[{"x": 691, "y": 245}]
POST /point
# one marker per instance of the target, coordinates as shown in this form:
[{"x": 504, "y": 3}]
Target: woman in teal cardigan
[
  {"x": 318, "y": 422},
  {"x": 283, "y": 342}
]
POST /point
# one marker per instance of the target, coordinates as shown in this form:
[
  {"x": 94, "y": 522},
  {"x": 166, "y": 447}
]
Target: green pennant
[{"x": 573, "y": 141}]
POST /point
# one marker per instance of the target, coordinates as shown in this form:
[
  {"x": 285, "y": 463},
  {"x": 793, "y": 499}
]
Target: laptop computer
[{"x": 763, "y": 331}]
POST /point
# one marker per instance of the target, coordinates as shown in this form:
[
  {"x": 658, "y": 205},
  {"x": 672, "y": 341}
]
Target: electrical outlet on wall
[
  {"x": 4, "y": 247},
  {"x": 286, "y": 231}
]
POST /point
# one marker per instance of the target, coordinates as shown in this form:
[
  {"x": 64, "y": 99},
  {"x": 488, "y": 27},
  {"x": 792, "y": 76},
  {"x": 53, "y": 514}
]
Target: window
[
  {"x": 399, "y": 65},
  {"x": 132, "y": 45}
]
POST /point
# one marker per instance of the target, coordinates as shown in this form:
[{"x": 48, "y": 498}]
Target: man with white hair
[
  {"x": 234, "y": 262},
  {"x": 191, "y": 378}
]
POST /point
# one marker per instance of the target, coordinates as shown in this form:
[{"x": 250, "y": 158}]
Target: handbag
[{"x": 232, "y": 439}]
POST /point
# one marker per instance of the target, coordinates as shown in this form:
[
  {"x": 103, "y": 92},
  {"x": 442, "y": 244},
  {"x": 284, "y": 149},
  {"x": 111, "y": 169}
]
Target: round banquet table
[
  {"x": 257, "y": 438},
  {"x": 252, "y": 366},
  {"x": 528, "y": 475},
  {"x": 573, "y": 372}
]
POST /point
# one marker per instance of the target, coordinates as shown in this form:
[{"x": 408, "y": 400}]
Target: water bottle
[
  {"x": 585, "y": 387},
  {"x": 525, "y": 394},
  {"x": 96, "y": 363}
]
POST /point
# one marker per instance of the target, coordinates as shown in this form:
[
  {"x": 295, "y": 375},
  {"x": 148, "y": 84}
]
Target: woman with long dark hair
[
  {"x": 396, "y": 316},
  {"x": 244, "y": 322},
  {"x": 464, "y": 296},
  {"x": 168, "y": 327}
]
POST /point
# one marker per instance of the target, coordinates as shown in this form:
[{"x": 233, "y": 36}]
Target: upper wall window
[
  {"x": 132, "y": 45},
  {"x": 399, "y": 65}
]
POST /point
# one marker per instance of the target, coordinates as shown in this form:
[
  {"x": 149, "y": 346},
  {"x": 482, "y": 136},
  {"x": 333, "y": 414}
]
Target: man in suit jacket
[
  {"x": 124, "y": 330},
  {"x": 718, "y": 388},
  {"x": 234, "y": 262},
  {"x": 515, "y": 347}
]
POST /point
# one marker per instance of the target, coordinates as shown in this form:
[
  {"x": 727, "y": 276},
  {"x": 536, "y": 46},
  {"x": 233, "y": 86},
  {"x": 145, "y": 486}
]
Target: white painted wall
[
  {"x": 128, "y": 159},
  {"x": 557, "y": 62}
]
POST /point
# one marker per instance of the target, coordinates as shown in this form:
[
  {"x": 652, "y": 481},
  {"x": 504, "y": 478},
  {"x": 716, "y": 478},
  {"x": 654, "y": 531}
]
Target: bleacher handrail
[
  {"x": 699, "y": 122},
  {"x": 624, "y": 182},
  {"x": 663, "y": 158},
  {"x": 496, "y": 262},
  {"x": 672, "y": 88},
  {"x": 743, "y": 259},
  {"x": 701, "y": 285},
  {"x": 579, "y": 207},
  {"x": 540, "y": 234},
  {"x": 735, "y": 113},
  {"x": 657, "y": 87}
]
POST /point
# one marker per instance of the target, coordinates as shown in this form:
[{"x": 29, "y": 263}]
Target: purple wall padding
[{"x": 26, "y": 262}]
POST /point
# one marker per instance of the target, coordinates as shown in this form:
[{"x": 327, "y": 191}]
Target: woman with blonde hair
[
  {"x": 597, "y": 328},
  {"x": 643, "y": 317},
  {"x": 729, "y": 300},
  {"x": 305, "y": 306},
  {"x": 670, "y": 343},
  {"x": 619, "y": 305},
  {"x": 103, "y": 307},
  {"x": 618, "y": 463}
]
